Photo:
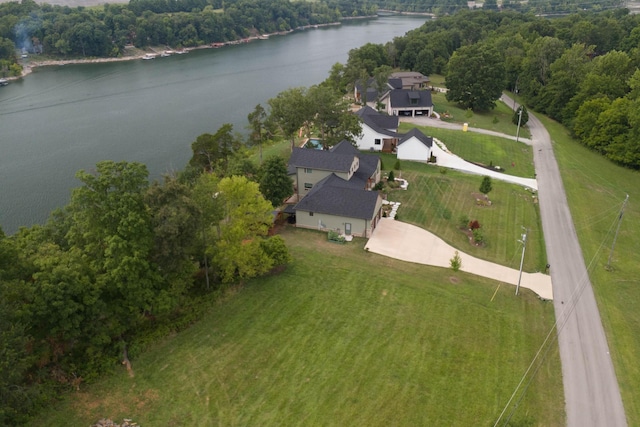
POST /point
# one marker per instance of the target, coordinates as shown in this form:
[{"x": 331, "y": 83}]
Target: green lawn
[
  {"x": 436, "y": 80},
  {"x": 596, "y": 189},
  {"x": 435, "y": 202},
  {"x": 516, "y": 158},
  {"x": 498, "y": 119},
  {"x": 369, "y": 341}
]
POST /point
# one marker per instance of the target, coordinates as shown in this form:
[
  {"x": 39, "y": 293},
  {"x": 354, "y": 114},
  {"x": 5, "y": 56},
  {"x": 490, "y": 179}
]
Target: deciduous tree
[
  {"x": 246, "y": 220},
  {"x": 475, "y": 77},
  {"x": 289, "y": 112},
  {"x": 212, "y": 153}
]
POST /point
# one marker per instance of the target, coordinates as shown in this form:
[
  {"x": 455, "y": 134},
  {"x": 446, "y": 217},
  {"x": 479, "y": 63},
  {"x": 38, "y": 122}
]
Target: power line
[{"x": 558, "y": 325}]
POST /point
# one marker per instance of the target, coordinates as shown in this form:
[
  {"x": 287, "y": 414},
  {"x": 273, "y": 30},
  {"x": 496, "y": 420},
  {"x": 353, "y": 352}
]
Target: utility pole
[
  {"x": 524, "y": 246},
  {"x": 519, "y": 122},
  {"x": 615, "y": 237}
]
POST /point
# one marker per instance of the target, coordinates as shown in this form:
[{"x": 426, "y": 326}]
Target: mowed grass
[
  {"x": 436, "y": 202},
  {"x": 342, "y": 337},
  {"x": 516, "y": 158},
  {"x": 596, "y": 189},
  {"x": 498, "y": 119}
]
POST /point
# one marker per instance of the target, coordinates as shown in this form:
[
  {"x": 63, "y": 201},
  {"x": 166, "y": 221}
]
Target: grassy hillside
[
  {"x": 596, "y": 189},
  {"x": 498, "y": 119},
  {"x": 436, "y": 201},
  {"x": 342, "y": 337}
]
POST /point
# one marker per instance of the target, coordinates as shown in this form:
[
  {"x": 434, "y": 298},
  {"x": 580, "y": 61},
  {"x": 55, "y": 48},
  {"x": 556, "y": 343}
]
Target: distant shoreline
[{"x": 27, "y": 68}]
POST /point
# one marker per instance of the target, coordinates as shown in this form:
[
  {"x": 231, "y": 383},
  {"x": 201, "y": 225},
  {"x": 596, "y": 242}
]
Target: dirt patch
[
  {"x": 89, "y": 406},
  {"x": 148, "y": 397},
  {"x": 454, "y": 280}
]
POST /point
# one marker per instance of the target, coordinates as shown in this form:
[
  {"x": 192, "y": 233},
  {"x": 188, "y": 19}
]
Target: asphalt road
[{"x": 592, "y": 395}]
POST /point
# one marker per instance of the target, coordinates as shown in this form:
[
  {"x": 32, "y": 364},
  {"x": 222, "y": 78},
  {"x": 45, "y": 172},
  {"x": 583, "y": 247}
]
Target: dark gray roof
[
  {"x": 401, "y": 98},
  {"x": 381, "y": 123},
  {"x": 371, "y": 91},
  {"x": 426, "y": 140},
  {"x": 344, "y": 147},
  {"x": 331, "y": 196},
  {"x": 319, "y": 159},
  {"x": 395, "y": 83}
]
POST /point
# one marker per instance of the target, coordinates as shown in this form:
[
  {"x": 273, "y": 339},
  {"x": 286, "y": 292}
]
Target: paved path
[
  {"x": 592, "y": 396},
  {"x": 437, "y": 123},
  {"x": 449, "y": 160},
  {"x": 407, "y": 242}
]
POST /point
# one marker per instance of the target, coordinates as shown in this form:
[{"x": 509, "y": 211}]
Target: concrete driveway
[
  {"x": 407, "y": 242},
  {"x": 447, "y": 159}
]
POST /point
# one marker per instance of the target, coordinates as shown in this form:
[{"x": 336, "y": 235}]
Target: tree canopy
[{"x": 475, "y": 77}]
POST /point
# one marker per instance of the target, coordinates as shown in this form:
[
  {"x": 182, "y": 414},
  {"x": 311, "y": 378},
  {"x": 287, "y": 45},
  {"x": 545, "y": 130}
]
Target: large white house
[
  {"x": 379, "y": 131},
  {"x": 404, "y": 94}
]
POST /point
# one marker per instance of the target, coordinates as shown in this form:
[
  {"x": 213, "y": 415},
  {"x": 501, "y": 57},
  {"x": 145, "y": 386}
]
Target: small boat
[
  {"x": 181, "y": 52},
  {"x": 264, "y": 37},
  {"x": 164, "y": 55},
  {"x": 149, "y": 56},
  {"x": 4, "y": 82}
]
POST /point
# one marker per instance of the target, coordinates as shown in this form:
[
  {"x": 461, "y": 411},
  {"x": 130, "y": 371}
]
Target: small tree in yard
[
  {"x": 275, "y": 184},
  {"x": 456, "y": 262},
  {"x": 516, "y": 116},
  {"x": 463, "y": 222},
  {"x": 391, "y": 177},
  {"x": 478, "y": 237},
  {"x": 486, "y": 186}
]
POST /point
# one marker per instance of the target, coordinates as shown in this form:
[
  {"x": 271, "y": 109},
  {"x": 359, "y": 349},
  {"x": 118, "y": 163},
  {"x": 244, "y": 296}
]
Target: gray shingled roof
[
  {"x": 395, "y": 83},
  {"x": 426, "y": 140},
  {"x": 344, "y": 147},
  {"x": 368, "y": 164},
  {"x": 401, "y": 98},
  {"x": 330, "y": 196},
  {"x": 320, "y": 159},
  {"x": 381, "y": 123}
]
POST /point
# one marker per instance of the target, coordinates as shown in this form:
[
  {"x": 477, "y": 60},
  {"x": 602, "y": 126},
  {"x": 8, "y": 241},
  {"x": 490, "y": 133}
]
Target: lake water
[{"x": 62, "y": 119}]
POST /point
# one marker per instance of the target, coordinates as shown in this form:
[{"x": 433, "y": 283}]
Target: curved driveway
[
  {"x": 397, "y": 239},
  {"x": 592, "y": 395}
]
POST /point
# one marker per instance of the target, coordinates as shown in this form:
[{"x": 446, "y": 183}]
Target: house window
[
  {"x": 307, "y": 186},
  {"x": 308, "y": 170},
  {"x": 310, "y": 213},
  {"x": 414, "y": 101},
  {"x": 377, "y": 141}
]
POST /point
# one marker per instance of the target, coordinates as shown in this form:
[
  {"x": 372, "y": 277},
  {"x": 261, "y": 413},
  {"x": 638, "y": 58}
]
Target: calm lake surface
[{"x": 62, "y": 119}]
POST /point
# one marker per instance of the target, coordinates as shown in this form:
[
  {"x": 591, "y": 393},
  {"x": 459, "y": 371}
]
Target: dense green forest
[
  {"x": 581, "y": 69},
  {"x": 61, "y": 31}
]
